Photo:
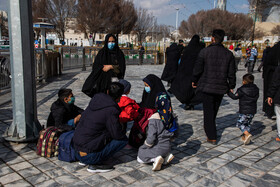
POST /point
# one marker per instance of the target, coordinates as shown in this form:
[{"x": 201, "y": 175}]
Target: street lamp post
[
  {"x": 255, "y": 19},
  {"x": 177, "y": 9}
]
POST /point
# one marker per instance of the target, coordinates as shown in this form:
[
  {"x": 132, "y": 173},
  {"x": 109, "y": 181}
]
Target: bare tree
[
  {"x": 161, "y": 31},
  {"x": 276, "y": 30},
  {"x": 144, "y": 24},
  {"x": 203, "y": 22},
  {"x": 3, "y": 25}
]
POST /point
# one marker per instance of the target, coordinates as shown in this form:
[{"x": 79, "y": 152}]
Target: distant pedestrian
[
  {"x": 157, "y": 146},
  {"x": 170, "y": 69},
  {"x": 271, "y": 62},
  {"x": 265, "y": 53},
  {"x": 141, "y": 53},
  {"x": 252, "y": 59},
  {"x": 248, "y": 95},
  {"x": 214, "y": 75},
  {"x": 109, "y": 66},
  {"x": 274, "y": 97},
  {"x": 237, "y": 55}
]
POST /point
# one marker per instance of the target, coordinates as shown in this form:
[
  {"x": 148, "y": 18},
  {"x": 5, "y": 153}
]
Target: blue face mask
[
  {"x": 111, "y": 45},
  {"x": 147, "y": 89},
  {"x": 72, "y": 101}
]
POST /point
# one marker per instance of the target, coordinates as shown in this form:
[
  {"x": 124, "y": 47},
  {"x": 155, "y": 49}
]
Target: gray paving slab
[{"x": 196, "y": 163}]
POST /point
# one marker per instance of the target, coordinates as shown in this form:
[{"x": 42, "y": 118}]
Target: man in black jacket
[
  {"x": 99, "y": 134},
  {"x": 214, "y": 75},
  {"x": 274, "y": 97},
  {"x": 64, "y": 114}
]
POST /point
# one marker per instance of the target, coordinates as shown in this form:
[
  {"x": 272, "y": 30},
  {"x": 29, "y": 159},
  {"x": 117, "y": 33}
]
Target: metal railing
[{"x": 5, "y": 69}]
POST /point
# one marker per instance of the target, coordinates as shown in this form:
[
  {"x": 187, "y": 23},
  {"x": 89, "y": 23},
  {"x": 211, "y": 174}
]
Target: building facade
[{"x": 222, "y": 4}]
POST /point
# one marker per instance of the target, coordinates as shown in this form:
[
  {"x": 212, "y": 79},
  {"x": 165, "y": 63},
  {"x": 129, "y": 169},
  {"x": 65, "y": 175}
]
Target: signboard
[{"x": 36, "y": 42}]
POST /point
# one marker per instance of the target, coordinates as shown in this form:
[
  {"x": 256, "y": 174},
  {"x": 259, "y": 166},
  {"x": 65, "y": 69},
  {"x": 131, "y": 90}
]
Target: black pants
[
  {"x": 251, "y": 65},
  {"x": 211, "y": 104}
]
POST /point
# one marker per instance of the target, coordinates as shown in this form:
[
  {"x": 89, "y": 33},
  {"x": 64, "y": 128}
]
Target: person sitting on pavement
[
  {"x": 153, "y": 86},
  {"x": 100, "y": 134},
  {"x": 64, "y": 114},
  {"x": 156, "y": 148},
  {"x": 128, "y": 106},
  {"x": 274, "y": 97},
  {"x": 248, "y": 95}
]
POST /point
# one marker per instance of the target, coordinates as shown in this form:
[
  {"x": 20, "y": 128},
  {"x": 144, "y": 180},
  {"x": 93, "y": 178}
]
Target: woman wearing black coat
[
  {"x": 153, "y": 86},
  {"x": 170, "y": 69},
  {"x": 109, "y": 64},
  {"x": 181, "y": 86}
]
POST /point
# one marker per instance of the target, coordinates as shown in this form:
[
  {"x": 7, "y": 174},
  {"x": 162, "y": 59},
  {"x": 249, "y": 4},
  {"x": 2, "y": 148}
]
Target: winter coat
[
  {"x": 274, "y": 89},
  {"x": 98, "y": 81},
  {"x": 129, "y": 109},
  {"x": 214, "y": 70},
  {"x": 98, "y": 125},
  {"x": 157, "y": 142},
  {"x": 170, "y": 69},
  {"x": 248, "y": 95},
  {"x": 61, "y": 113}
]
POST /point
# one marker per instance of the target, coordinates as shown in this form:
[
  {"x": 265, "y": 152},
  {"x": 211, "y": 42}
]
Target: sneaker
[
  {"x": 100, "y": 168},
  {"x": 247, "y": 138},
  {"x": 168, "y": 159},
  {"x": 82, "y": 164},
  {"x": 157, "y": 164},
  {"x": 214, "y": 142}
]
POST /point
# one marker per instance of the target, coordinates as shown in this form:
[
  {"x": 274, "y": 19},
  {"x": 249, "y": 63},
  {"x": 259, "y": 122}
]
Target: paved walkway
[{"x": 196, "y": 162}]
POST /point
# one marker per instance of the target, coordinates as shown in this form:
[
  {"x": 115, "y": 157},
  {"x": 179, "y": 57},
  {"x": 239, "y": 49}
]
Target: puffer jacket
[
  {"x": 248, "y": 95},
  {"x": 214, "y": 71},
  {"x": 129, "y": 109}
]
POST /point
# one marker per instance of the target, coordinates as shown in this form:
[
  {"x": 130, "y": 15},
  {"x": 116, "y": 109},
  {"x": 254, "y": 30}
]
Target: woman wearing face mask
[
  {"x": 64, "y": 114},
  {"x": 109, "y": 66},
  {"x": 153, "y": 86}
]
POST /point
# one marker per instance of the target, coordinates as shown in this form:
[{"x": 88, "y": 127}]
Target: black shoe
[
  {"x": 100, "y": 168},
  {"x": 189, "y": 107}
]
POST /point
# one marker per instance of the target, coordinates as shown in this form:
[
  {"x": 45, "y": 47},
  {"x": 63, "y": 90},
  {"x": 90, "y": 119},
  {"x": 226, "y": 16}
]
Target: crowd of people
[{"x": 195, "y": 73}]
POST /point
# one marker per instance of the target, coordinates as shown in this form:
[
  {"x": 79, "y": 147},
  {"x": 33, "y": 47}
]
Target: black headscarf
[
  {"x": 181, "y": 86},
  {"x": 148, "y": 99},
  {"x": 170, "y": 69},
  {"x": 99, "y": 81}
]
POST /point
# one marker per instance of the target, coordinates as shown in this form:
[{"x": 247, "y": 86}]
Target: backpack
[
  {"x": 66, "y": 150},
  {"x": 47, "y": 145}
]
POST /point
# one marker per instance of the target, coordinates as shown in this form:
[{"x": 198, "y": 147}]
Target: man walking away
[{"x": 214, "y": 75}]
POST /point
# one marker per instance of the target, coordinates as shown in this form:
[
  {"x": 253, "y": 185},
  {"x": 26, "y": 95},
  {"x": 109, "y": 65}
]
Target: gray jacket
[{"x": 157, "y": 142}]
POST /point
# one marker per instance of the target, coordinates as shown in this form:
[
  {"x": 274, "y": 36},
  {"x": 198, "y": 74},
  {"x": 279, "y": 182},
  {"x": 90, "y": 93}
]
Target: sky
[{"x": 165, "y": 10}]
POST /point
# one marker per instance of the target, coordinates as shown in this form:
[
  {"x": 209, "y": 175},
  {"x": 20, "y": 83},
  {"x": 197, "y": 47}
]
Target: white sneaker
[
  {"x": 168, "y": 159},
  {"x": 157, "y": 164},
  {"x": 82, "y": 164}
]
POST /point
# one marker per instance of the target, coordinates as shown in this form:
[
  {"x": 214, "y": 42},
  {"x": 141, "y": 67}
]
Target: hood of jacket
[
  {"x": 101, "y": 101},
  {"x": 250, "y": 90}
]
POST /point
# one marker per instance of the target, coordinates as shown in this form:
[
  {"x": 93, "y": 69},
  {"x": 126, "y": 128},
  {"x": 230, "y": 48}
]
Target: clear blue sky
[{"x": 165, "y": 11}]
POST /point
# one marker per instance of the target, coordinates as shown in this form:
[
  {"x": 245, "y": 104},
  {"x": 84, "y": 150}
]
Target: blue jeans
[
  {"x": 244, "y": 122},
  {"x": 108, "y": 151}
]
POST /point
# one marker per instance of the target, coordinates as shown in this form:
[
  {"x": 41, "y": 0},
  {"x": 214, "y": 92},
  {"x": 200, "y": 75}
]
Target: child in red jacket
[{"x": 128, "y": 106}]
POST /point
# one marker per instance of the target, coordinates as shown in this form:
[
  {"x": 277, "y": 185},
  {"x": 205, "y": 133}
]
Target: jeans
[
  {"x": 211, "y": 104},
  {"x": 97, "y": 157},
  {"x": 251, "y": 65},
  {"x": 244, "y": 122},
  {"x": 277, "y": 112}
]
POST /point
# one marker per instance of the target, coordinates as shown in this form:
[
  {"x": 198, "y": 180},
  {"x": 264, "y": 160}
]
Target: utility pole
[
  {"x": 177, "y": 9},
  {"x": 25, "y": 126},
  {"x": 255, "y": 19}
]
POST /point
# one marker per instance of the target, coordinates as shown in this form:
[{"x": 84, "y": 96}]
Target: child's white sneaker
[
  {"x": 157, "y": 163},
  {"x": 168, "y": 159}
]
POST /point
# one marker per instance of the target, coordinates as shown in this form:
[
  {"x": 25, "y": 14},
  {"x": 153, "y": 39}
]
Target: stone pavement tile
[
  {"x": 254, "y": 156},
  {"x": 191, "y": 176},
  {"x": 46, "y": 166},
  {"x": 10, "y": 178},
  {"x": 166, "y": 184},
  {"x": 262, "y": 182},
  {"x": 237, "y": 182},
  {"x": 201, "y": 169},
  {"x": 82, "y": 173},
  {"x": 29, "y": 172},
  {"x": 110, "y": 175},
  {"x": 106, "y": 184},
  {"x": 4, "y": 170},
  {"x": 274, "y": 172},
  {"x": 11, "y": 158},
  {"x": 20, "y": 166},
  {"x": 70, "y": 167},
  {"x": 135, "y": 184},
  {"x": 244, "y": 162},
  {"x": 273, "y": 157},
  {"x": 54, "y": 173},
  {"x": 4, "y": 150},
  {"x": 219, "y": 161},
  {"x": 245, "y": 177},
  {"x": 253, "y": 172},
  {"x": 220, "y": 178},
  {"x": 179, "y": 181},
  {"x": 124, "y": 169},
  {"x": 123, "y": 180},
  {"x": 221, "y": 148},
  {"x": 94, "y": 180},
  {"x": 38, "y": 161},
  {"x": 79, "y": 184},
  {"x": 48, "y": 183},
  {"x": 152, "y": 181},
  {"x": 271, "y": 179},
  {"x": 228, "y": 157},
  {"x": 30, "y": 155},
  {"x": 19, "y": 183},
  {"x": 213, "y": 153},
  {"x": 35, "y": 179},
  {"x": 137, "y": 174},
  {"x": 230, "y": 169},
  {"x": 176, "y": 169},
  {"x": 206, "y": 182},
  {"x": 264, "y": 165}
]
